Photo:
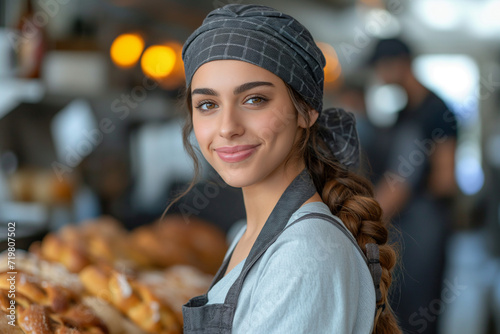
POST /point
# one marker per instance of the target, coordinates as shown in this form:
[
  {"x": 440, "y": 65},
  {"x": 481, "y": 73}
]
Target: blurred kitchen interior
[{"x": 91, "y": 119}]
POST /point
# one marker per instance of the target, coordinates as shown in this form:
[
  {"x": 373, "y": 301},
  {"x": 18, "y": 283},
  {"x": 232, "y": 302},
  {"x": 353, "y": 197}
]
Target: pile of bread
[{"x": 98, "y": 278}]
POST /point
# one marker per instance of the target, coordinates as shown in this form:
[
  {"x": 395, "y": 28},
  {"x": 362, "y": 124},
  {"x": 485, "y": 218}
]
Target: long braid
[{"x": 350, "y": 197}]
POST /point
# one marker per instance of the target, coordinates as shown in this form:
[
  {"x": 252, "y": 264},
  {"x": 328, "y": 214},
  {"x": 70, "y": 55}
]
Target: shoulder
[
  {"x": 310, "y": 257},
  {"x": 307, "y": 226},
  {"x": 311, "y": 263},
  {"x": 441, "y": 116},
  {"x": 436, "y": 101},
  {"x": 311, "y": 241}
]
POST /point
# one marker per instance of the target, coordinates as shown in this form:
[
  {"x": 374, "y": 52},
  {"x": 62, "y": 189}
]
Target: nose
[{"x": 231, "y": 123}]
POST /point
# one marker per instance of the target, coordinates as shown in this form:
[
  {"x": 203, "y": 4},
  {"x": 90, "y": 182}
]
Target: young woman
[{"x": 312, "y": 257}]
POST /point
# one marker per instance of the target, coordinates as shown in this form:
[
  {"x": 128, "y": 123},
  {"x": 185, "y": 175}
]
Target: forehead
[{"x": 221, "y": 73}]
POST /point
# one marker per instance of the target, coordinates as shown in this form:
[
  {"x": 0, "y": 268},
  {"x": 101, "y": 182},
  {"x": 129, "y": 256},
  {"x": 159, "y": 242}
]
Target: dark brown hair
[{"x": 348, "y": 195}]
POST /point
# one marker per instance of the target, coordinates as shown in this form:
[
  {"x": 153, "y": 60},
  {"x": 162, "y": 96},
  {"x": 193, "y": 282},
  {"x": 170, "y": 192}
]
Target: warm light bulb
[
  {"x": 126, "y": 50},
  {"x": 158, "y": 61},
  {"x": 332, "y": 69}
]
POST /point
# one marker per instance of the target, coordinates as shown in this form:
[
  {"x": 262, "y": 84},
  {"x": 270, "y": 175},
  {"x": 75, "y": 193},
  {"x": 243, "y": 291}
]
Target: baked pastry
[
  {"x": 176, "y": 285},
  {"x": 100, "y": 240},
  {"x": 45, "y": 308},
  {"x": 174, "y": 241},
  {"x": 133, "y": 298},
  {"x": 44, "y": 270},
  {"x": 137, "y": 281},
  {"x": 114, "y": 319},
  {"x": 72, "y": 256},
  {"x": 57, "y": 274}
]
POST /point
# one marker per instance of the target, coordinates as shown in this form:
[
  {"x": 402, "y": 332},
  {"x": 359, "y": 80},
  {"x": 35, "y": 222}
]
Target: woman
[{"x": 254, "y": 93}]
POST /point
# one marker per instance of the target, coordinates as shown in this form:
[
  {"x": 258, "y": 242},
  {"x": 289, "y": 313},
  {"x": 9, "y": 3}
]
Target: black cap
[{"x": 389, "y": 48}]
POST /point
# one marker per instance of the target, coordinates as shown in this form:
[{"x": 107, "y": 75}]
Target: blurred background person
[
  {"x": 418, "y": 185},
  {"x": 373, "y": 139}
]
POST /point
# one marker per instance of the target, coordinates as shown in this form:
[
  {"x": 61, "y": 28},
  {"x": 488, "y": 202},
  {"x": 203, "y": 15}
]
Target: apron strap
[
  {"x": 300, "y": 190},
  {"x": 372, "y": 257},
  {"x": 338, "y": 223}
]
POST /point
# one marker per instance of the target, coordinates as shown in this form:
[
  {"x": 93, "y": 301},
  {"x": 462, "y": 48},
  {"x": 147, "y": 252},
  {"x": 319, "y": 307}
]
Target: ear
[{"x": 313, "y": 116}]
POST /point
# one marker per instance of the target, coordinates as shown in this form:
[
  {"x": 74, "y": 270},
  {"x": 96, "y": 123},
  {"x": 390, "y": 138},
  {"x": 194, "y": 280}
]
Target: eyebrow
[
  {"x": 236, "y": 91},
  {"x": 204, "y": 91},
  {"x": 250, "y": 85}
]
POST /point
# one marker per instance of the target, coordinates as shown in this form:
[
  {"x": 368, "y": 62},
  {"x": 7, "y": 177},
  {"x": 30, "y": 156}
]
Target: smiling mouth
[{"x": 233, "y": 154}]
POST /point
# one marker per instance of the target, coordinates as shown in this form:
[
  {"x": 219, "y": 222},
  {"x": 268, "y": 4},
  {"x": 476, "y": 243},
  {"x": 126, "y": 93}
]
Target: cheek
[
  {"x": 277, "y": 122},
  {"x": 203, "y": 133}
]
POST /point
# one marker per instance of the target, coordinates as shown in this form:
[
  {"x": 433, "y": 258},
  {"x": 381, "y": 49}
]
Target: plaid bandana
[
  {"x": 277, "y": 42},
  {"x": 338, "y": 130}
]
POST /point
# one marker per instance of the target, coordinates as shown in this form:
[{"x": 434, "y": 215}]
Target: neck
[
  {"x": 261, "y": 198},
  {"x": 415, "y": 91}
]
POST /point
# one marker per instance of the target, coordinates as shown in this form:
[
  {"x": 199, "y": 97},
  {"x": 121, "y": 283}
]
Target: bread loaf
[
  {"x": 42, "y": 307},
  {"x": 133, "y": 298}
]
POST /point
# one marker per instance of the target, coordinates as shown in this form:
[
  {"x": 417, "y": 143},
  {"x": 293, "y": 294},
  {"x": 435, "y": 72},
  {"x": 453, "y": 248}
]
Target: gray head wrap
[{"x": 277, "y": 42}]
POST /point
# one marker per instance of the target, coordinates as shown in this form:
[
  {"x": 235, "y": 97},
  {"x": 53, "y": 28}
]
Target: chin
[{"x": 237, "y": 178}]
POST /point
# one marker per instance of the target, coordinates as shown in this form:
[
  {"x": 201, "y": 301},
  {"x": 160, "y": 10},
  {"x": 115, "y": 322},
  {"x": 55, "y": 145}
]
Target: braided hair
[{"x": 350, "y": 197}]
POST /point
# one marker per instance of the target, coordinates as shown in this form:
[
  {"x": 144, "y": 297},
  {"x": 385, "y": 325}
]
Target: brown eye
[
  {"x": 206, "y": 106},
  {"x": 255, "y": 100}
]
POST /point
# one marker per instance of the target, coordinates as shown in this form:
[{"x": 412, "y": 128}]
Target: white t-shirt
[{"x": 312, "y": 279}]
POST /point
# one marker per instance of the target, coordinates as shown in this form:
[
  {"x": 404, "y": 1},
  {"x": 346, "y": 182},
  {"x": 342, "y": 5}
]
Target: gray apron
[{"x": 200, "y": 317}]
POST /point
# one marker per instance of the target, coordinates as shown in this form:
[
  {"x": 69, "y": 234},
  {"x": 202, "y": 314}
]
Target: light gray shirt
[{"x": 312, "y": 279}]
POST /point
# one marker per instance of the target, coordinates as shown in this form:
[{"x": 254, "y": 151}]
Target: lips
[{"x": 236, "y": 153}]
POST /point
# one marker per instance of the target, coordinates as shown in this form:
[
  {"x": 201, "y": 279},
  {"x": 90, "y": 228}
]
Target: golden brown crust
[
  {"x": 41, "y": 307},
  {"x": 114, "y": 319},
  {"x": 102, "y": 240},
  {"x": 109, "y": 264},
  {"x": 44, "y": 270},
  {"x": 131, "y": 297},
  {"x": 176, "y": 285},
  {"x": 161, "y": 244},
  {"x": 54, "y": 248},
  {"x": 174, "y": 241},
  {"x": 35, "y": 320}
]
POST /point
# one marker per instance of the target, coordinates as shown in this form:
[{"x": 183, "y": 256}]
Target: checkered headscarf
[{"x": 277, "y": 42}]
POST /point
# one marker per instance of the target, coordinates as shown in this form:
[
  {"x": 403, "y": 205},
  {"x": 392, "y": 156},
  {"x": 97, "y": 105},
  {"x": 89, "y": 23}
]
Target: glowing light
[
  {"x": 486, "y": 18},
  {"x": 381, "y": 23},
  {"x": 332, "y": 69},
  {"x": 468, "y": 170},
  {"x": 470, "y": 175},
  {"x": 439, "y": 14},
  {"x": 455, "y": 78},
  {"x": 126, "y": 50},
  {"x": 384, "y": 102},
  {"x": 176, "y": 78},
  {"x": 158, "y": 61}
]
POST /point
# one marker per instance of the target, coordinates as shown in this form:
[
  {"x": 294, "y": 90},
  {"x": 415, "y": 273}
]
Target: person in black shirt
[{"x": 417, "y": 188}]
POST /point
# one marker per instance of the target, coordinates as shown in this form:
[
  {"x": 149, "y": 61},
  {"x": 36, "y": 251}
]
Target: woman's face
[{"x": 244, "y": 121}]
